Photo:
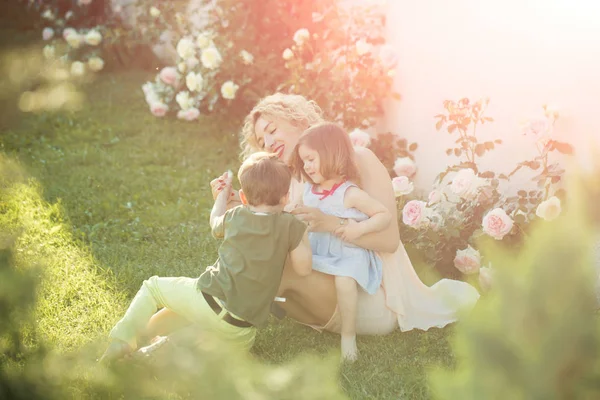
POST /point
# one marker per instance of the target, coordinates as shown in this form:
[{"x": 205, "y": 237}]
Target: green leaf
[
  {"x": 564, "y": 148},
  {"x": 413, "y": 147},
  {"x": 522, "y": 193},
  {"x": 396, "y": 96},
  {"x": 448, "y": 151},
  {"x": 487, "y": 174},
  {"x": 438, "y": 125},
  {"x": 457, "y": 152},
  {"x": 480, "y": 149}
]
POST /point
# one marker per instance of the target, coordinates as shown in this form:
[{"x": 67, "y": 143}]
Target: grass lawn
[{"x": 106, "y": 197}]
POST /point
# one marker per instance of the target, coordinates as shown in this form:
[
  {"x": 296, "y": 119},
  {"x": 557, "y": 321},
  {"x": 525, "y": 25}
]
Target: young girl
[{"x": 324, "y": 158}]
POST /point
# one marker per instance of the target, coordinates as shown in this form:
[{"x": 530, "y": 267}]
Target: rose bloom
[
  {"x": 188, "y": 115},
  {"x": 317, "y": 17},
  {"x": 84, "y": 2},
  {"x": 288, "y": 54},
  {"x": 497, "y": 224},
  {"x": 47, "y": 33},
  {"x": 228, "y": 90},
  {"x": 301, "y": 36},
  {"x": 211, "y": 58},
  {"x": 402, "y": 186},
  {"x": 95, "y": 64},
  {"x": 360, "y": 138},
  {"x": 67, "y": 32},
  {"x": 184, "y": 100},
  {"x": 413, "y": 213},
  {"x": 77, "y": 68},
  {"x": 467, "y": 261},
  {"x": 405, "y": 166},
  {"x": 362, "y": 47},
  {"x": 48, "y": 15},
  {"x": 192, "y": 62},
  {"x": 435, "y": 196},
  {"x": 169, "y": 76},
  {"x": 159, "y": 109},
  {"x": 185, "y": 48},
  {"x": 465, "y": 183},
  {"x": 182, "y": 67},
  {"x": 247, "y": 58},
  {"x": 194, "y": 81},
  {"x": 549, "y": 209},
  {"x": 538, "y": 128},
  {"x": 154, "y": 12},
  {"x": 93, "y": 38},
  {"x": 48, "y": 51},
  {"x": 203, "y": 41},
  {"x": 69, "y": 14},
  {"x": 74, "y": 40}
]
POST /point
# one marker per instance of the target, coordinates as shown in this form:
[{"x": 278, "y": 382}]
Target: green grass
[{"x": 103, "y": 198}]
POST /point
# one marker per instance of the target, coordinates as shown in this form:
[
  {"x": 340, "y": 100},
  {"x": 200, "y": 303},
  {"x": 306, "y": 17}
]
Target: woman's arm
[{"x": 377, "y": 183}]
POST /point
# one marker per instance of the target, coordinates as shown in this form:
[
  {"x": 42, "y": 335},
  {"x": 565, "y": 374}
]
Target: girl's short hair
[
  {"x": 336, "y": 153},
  {"x": 293, "y": 108},
  {"x": 265, "y": 179}
]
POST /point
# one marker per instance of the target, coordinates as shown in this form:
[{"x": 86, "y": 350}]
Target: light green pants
[{"x": 181, "y": 296}]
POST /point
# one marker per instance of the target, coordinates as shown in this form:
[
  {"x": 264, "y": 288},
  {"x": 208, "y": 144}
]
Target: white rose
[
  {"x": 95, "y": 64},
  {"x": 154, "y": 12},
  {"x": 405, "y": 166},
  {"x": 74, "y": 40},
  {"x": 185, "y": 48},
  {"x": 467, "y": 261},
  {"x": 77, "y": 68},
  {"x": 184, "y": 100},
  {"x": 48, "y": 14},
  {"x": 402, "y": 186},
  {"x": 47, "y": 33},
  {"x": 466, "y": 184},
  {"x": 538, "y": 128},
  {"x": 211, "y": 58},
  {"x": 288, "y": 54},
  {"x": 360, "y": 138},
  {"x": 67, "y": 32},
  {"x": 549, "y": 209},
  {"x": 49, "y": 51},
  {"x": 69, "y": 14},
  {"x": 192, "y": 62},
  {"x": 228, "y": 90},
  {"x": 93, "y": 38},
  {"x": 497, "y": 223},
  {"x": 247, "y": 58},
  {"x": 181, "y": 67},
  {"x": 188, "y": 115},
  {"x": 362, "y": 47},
  {"x": 203, "y": 41},
  {"x": 194, "y": 81},
  {"x": 301, "y": 36}
]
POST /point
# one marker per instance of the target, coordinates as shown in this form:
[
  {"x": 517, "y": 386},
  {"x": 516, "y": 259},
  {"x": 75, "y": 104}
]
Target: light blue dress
[{"x": 333, "y": 256}]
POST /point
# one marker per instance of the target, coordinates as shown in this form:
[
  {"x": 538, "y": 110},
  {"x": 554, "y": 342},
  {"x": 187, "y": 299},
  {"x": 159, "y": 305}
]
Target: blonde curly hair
[{"x": 294, "y": 108}]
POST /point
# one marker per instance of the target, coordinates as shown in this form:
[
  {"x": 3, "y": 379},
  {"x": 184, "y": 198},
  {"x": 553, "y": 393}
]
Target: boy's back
[{"x": 248, "y": 272}]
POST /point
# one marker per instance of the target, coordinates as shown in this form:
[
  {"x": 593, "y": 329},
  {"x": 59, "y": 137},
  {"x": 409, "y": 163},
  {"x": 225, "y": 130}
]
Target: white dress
[{"x": 333, "y": 256}]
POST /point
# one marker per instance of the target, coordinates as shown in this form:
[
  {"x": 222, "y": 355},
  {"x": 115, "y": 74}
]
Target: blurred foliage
[{"x": 535, "y": 336}]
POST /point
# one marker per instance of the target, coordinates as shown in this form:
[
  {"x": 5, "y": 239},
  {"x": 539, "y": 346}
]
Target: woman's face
[{"x": 276, "y": 136}]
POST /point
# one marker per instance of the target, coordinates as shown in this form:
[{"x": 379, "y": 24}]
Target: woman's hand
[{"x": 315, "y": 219}]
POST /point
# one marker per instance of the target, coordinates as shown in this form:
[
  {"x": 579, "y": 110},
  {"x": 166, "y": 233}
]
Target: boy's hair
[
  {"x": 336, "y": 153},
  {"x": 265, "y": 179}
]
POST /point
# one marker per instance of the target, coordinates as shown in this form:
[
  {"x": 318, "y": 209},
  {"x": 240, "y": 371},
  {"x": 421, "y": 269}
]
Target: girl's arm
[{"x": 379, "y": 216}]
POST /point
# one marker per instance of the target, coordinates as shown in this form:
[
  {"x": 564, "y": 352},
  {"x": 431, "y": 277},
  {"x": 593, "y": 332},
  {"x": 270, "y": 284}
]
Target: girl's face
[
  {"x": 276, "y": 136},
  {"x": 312, "y": 163}
]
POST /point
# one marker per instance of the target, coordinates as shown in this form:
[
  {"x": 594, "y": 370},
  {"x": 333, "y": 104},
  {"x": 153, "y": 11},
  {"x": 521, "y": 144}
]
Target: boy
[{"x": 234, "y": 296}]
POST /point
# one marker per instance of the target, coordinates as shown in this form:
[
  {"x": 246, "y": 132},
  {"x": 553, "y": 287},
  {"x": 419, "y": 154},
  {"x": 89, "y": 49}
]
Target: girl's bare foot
[{"x": 349, "y": 350}]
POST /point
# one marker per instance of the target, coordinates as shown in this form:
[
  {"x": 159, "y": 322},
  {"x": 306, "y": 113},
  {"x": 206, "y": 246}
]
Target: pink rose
[
  {"x": 402, "y": 186},
  {"x": 169, "y": 76},
  {"x": 189, "y": 115},
  {"x": 465, "y": 183},
  {"x": 467, "y": 261},
  {"x": 497, "y": 224},
  {"x": 413, "y": 213},
  {"x": 435, "y": 196},
  {"x": 360, "y": 138},
  {"x": 159, "y": 109},
  {"x": 47, "y": 33},
  {"x": 538, "y": 128},
  {"x": 405, "y": 166}
]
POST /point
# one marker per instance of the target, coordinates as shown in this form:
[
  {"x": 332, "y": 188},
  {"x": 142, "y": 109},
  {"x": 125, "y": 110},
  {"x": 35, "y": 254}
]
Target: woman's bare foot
[
  {"x": 115, "y": 350},
  {"x": 349, "y": 350}
]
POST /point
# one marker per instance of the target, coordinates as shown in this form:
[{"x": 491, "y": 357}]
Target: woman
[{"x": 403, "y": 301}]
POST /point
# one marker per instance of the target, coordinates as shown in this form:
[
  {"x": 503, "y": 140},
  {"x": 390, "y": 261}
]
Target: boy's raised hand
[{"x": 223, "y": 182}]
